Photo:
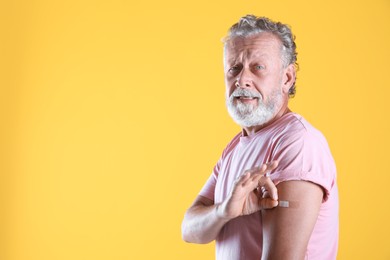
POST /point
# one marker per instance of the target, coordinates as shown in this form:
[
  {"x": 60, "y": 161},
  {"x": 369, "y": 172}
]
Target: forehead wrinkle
[
  {"x": 247, "y": 55},
  {"x": 260, "y": 56},
  {"x": 248, "y": 47},
  {"x": 233, "y": 59}
]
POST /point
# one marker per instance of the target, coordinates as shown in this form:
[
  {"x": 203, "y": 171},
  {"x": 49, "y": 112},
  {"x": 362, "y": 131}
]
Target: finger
[
  {"x": 256, "y": 176},
  {"x": 265, "y": 194},
  {"x": 256, "y": 173},
  {"x": 264, "y": 168},
  {"x": 271, "y": 166},
  {"x": 252, "y": 182},
  {"x": 242, "y": 179},
  {"x": 269, "y": 186},
  {"x": 258, "y": 170},
  {"x": 249, "y": 175},
  {"x": 258, "y": 192},
  {"x": 267, "y": 203}
]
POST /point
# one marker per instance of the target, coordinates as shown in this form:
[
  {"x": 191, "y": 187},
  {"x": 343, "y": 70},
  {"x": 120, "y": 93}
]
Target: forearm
[
  {"x": 202, "y": 224},
  {"x": 204, "y": 219}
]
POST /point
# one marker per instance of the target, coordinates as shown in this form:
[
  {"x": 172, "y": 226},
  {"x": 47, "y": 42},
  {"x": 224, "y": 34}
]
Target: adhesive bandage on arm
[
  {"x": 285, "y": 203},
  {"x": 288, "y": 204}
]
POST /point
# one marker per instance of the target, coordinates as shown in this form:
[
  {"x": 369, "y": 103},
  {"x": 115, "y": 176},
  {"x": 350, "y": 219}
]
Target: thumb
[{"x": 267, "y": 203}]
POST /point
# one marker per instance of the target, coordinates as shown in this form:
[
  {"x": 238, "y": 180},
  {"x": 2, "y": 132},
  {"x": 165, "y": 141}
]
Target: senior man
[{"x": 273, "y": 192}]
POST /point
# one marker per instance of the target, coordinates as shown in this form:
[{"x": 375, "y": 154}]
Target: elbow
[
  {"x": 193, "y": 240},
  {"x": 187, "y": 239},
  {"x": 189, "y": 236},
  {"x": 185, "y": 234}
]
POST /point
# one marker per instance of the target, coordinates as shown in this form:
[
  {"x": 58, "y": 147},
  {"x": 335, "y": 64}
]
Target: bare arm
[
  {"x": 204, "y": 219},
  {"x": 286, "y": 231}
]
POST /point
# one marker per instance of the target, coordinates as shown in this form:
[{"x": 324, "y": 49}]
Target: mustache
[{"x": 239, "y": 92}]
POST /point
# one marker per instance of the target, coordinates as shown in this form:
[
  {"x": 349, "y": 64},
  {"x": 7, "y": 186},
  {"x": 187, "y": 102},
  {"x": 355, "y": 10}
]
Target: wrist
[{"x": 221, "y": 212}]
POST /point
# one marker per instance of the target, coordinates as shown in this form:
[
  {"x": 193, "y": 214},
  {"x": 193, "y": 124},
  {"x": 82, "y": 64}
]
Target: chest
[{"x": 242, "y": 157}]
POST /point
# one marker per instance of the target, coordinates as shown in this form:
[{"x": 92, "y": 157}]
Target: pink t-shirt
[{"x": 303, "y": 154}]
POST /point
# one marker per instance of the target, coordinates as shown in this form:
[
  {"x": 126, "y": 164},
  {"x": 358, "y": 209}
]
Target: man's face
[{"x": 254, "y": 78}]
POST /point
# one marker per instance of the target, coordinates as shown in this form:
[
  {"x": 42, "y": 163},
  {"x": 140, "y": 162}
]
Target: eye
[
  {"x": 234, "y": 69},
  {"x": 259, "y": 67}
]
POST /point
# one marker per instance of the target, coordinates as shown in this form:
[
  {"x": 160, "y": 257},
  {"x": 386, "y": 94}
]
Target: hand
[{"x": 251, "y": 192}]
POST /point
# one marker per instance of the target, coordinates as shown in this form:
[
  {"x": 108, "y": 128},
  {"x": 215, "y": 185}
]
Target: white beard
[{"x": 248, "y": 115}]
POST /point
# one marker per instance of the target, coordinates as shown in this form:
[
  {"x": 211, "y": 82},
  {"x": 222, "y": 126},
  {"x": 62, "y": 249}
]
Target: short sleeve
[
  {"x": 209, "y": 187},
  {"x": 303, "y": 154}
]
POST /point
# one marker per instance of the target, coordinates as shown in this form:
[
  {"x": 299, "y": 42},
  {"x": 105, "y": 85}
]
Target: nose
[{"x": 244, "y": 80}]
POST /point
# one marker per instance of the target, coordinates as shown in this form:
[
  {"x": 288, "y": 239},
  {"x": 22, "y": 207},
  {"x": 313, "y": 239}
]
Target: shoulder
[
  {"x": 293, "y": 128},
  {"x": 303, "y": 153}
]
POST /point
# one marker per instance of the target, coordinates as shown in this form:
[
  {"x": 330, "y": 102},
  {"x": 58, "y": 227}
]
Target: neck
[{"x": 250, "y": 131}]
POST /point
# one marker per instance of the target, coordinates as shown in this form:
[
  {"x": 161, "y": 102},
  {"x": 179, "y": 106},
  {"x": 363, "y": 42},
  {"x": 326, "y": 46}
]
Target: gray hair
[{"x": 250, "y": 25}]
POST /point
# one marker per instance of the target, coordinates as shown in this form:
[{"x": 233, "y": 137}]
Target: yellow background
[{"x": 112, "y": 116}]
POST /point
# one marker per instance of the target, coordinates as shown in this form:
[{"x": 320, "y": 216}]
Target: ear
[{"x": 288, "y": 79}]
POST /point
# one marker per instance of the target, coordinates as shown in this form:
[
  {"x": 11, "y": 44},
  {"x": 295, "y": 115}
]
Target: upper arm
[{"x": 286, "y": 231}]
